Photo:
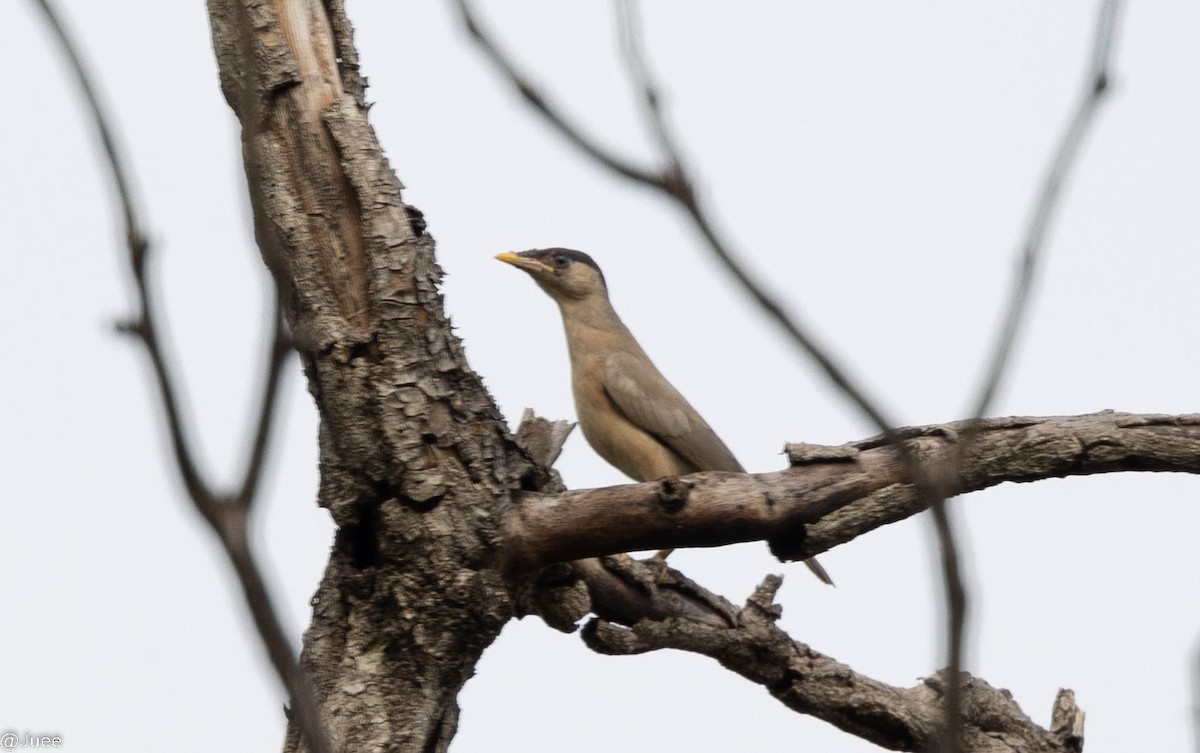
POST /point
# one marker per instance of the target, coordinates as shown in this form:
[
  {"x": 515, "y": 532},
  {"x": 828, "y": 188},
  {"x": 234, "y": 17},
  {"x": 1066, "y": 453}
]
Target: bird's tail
[{"x": 818, "y": 570}]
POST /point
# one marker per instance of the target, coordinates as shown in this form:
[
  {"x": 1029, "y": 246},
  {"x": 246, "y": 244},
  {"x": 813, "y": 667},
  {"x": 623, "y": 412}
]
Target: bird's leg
[{"x": 658, "y": 563}]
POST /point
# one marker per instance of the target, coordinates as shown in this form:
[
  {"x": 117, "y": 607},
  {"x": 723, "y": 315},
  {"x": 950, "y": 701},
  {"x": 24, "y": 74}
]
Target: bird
[{"x": 630, "y": 414}]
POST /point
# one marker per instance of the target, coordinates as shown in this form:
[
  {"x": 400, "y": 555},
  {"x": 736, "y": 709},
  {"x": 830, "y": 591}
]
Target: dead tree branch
[
  {"x": 806, "y": 681},
  {"x": 1095, "y": 86},
  {"x": 664, "y": 609},
  {"x": 829, "y": 496}
]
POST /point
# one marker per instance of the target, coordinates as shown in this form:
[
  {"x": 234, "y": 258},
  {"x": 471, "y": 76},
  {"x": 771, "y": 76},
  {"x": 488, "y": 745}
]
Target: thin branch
[
  {"x": 275, "y": 640},
  {"x": 677, "y": 183},
  {"x": 553, "y": 116},
  {"x": 629, "y": 28},
  {"x": 133, "y": 231},
  {"x": 281, "y": 348},
  {"x": 226, "y": 513},
  {"x": 1095, "y": 87},
  {"x": 143, "y": 327},
  {"x": 956, "y": 619}
]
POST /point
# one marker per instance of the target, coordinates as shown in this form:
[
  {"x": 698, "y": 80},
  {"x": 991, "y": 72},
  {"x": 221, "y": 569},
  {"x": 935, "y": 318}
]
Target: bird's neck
[{"x": 593, "y": 327}]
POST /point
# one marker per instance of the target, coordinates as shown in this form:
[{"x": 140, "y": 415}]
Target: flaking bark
[
  {"x": 415, "y": 460},
  {"x": 808, "y": 682}
]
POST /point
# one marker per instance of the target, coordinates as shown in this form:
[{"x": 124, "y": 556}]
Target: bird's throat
[{"x": 592, "y": 326}]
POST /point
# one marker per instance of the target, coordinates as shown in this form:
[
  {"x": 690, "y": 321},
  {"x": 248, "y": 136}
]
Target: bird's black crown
[{"x": 548, "y": 255}]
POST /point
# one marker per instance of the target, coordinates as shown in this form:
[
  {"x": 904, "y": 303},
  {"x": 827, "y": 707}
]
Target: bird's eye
[{"x": 561, "y": 261}]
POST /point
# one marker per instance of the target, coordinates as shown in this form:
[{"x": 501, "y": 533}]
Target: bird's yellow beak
[{"x": 524, "y": 262}]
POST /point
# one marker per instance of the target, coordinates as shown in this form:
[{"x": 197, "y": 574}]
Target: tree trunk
[{"x": 415, "y": 460}]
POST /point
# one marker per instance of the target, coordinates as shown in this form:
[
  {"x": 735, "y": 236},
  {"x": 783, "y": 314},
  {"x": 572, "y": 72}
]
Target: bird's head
[{"x": 565, "y": 274}]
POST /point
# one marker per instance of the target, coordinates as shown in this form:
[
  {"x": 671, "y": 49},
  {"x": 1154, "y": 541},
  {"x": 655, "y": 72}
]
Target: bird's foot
[{"x": 658, "y": 565}]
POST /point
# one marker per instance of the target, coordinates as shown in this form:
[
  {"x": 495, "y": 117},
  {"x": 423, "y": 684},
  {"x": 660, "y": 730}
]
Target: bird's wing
[{"x": 647, "y": 399}]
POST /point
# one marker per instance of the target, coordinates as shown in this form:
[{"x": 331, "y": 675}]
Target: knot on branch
[{"x": 672, "y": 494}]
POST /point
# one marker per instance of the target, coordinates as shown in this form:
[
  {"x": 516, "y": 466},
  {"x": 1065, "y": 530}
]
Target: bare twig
[
  {"x": 227, "y": 514},
  {"x": 281, "y": 348},
  {"x": 629, "y": 28},
  {"x": 956, "y": 620},
  {"x": 70, "y": 50},
  {"x": 569, "y": 130},
  {"x": 676, "y": 181},
  {"x": 1095, "y": 86}
]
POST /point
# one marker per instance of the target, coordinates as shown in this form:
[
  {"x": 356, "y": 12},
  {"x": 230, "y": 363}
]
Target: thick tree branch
[
  {"x": 617, "y": 587},
  {"x": 415, "y": 459},
  {"x": 831, "y": 495},
  {"x": 808, "y": 682}
]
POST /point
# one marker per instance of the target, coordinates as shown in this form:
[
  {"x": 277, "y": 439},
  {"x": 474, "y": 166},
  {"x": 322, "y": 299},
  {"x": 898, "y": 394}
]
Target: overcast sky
[{"x": 875, "y": 163}]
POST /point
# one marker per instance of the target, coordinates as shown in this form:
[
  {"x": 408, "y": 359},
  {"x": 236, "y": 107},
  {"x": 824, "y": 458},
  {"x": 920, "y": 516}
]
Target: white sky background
[{"x": 875, "y": 163}]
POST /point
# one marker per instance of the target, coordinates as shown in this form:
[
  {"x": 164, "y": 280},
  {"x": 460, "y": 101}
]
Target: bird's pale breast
[{"x": 633, "y": 451}]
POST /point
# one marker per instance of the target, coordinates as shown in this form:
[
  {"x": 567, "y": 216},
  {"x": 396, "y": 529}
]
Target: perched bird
[{"x": 630, "y": 414}]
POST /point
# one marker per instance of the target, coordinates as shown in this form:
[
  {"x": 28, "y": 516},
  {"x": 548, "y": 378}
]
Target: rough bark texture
[
  {"x": 830, "y": 495},
  {"x": 1018, "y": 449},
  {"x": 811, "y": 683},
  {"x": 415, "y": 461}
]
